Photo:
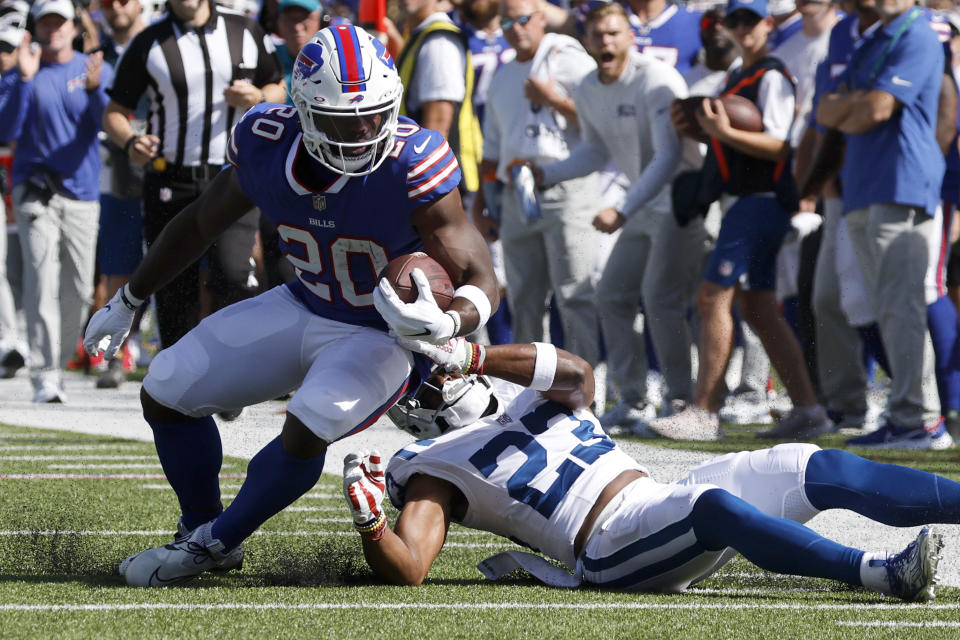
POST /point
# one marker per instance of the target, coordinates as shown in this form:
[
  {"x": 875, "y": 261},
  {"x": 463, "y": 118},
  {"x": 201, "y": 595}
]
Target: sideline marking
[{"x": 75, "y": 458}]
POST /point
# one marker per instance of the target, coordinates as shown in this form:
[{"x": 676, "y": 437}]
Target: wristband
[
  {"x": 374, "y": 530},
  {"x": 545, "y": 367},
  {"x": 455, "y": 316},
  {"x": 479, "y": 299},
  {"x": 131, "y": 301},
  {"x": 476, "y": 357},
  {"x": 129, "y": 143}
]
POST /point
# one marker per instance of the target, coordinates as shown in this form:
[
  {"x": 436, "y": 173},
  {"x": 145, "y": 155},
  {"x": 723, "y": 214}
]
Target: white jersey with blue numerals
[
  {"x": 531, "y": 472},
  {"x": 342, "y": 235}
]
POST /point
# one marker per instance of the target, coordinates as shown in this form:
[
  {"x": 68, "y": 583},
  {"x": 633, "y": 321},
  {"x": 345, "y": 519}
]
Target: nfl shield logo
[{"x": 319, "y": 202}]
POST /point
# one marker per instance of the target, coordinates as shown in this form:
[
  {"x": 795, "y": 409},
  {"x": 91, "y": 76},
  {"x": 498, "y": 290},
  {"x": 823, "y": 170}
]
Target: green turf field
[{"x": 72, "y": 506}]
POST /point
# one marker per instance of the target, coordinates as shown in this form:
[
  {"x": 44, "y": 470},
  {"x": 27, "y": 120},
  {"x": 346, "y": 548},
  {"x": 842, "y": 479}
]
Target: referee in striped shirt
[{"x": 201, "y": 67}]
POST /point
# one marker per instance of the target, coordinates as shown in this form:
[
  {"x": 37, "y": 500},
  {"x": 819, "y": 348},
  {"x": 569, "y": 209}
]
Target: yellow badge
[{"x": 160, "y": 163}]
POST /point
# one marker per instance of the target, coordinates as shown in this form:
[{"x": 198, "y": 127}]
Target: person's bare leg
[
  {"x": 760, "y": 310},
  {"x": 716, "y": 343}
]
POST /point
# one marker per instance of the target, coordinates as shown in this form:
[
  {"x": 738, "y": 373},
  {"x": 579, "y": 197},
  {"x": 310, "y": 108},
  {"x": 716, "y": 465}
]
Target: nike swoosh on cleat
[
  {"x": 419, "y": 335},
  {"x": 156, "y": 581}
]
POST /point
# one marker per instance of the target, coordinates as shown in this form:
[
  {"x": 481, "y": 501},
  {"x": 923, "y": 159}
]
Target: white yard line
[
  {"x": 74, "y": 458},
  {"x": 69, "y": 447},
  {"x": 894, "y": 624},
  {"x": 99, "y": 476},
  {"x": 448, "y": 606},
  {"x": 119, "y": 465}
]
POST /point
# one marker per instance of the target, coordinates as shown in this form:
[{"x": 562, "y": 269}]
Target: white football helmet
[
  {"x": 347, "y": 91},
  {"x": 463, "y": 401}
]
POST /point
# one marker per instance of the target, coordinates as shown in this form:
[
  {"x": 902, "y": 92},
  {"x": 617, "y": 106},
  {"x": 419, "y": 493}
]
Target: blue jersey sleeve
[{"x": 432, "y": 169}]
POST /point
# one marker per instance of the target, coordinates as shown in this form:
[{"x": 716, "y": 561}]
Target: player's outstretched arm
[
  {"x": 404, "y": 555},
  {"x": 191, "y": 232},
  {"x": 560, "y": 375},
  {"x": 179, "y": 245},
  {"x": 451, "y": 239}
]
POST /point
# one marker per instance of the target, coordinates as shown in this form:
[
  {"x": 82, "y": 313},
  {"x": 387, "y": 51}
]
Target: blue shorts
[
  {"x": 120, "y": 241},
  {"x": 750, "y": 237}
]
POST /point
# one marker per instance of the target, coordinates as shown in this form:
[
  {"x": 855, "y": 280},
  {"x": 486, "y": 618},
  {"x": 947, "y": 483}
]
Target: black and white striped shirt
[{"x": 184, "y": 70}]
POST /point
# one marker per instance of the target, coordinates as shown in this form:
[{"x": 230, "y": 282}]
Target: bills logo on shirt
[
  {"x": 310, "y": 60},
  {"x": 626, "y": 111}
]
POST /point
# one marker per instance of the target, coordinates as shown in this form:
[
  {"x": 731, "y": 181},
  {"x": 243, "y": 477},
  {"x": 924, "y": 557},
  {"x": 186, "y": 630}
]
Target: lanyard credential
[{"x": 914, "y": 14}]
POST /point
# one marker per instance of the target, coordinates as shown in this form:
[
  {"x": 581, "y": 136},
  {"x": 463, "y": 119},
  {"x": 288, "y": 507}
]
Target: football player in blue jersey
[
  {"x": 521, "y": 455},
  {"x": 349, "y": 186}
]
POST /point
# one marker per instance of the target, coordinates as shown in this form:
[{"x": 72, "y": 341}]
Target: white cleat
[
  {"x": 913, "y": 572},
  {"x": 180, "y": 561}
]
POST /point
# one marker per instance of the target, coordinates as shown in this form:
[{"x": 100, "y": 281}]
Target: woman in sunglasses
[{"x": 752, "y": 169}]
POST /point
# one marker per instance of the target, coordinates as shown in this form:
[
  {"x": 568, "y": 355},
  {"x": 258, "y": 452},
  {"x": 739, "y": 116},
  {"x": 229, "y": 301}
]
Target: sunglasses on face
[
  {"x": 507, "y": 23},
  {"x": 747, "y": 18}
]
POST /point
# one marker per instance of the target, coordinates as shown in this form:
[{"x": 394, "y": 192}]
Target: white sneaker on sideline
[
  {"x": 693, "y": 423},
  {"x": 746, "y": 407},
  {"x": 49, "y": 393},
  {"x": 627, "y": 415}
]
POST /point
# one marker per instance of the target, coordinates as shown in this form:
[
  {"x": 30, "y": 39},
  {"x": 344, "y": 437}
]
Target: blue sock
[
  {"x": 274, "y": 480},
  {"x": 942, "y": 321},
  {"x": 498, "y": 326},
  {"x": 721, "y": 519},
  {"x": 887, "y": 493},
  {"x": 191, "y": 455},
  {"x": 873, "y": 344},
  {"x": 791, "y": 313}
]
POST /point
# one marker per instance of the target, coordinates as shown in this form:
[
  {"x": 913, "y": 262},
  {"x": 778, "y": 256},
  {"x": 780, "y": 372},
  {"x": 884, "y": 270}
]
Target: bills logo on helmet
[
  {"x": 382, "y": 54},
  {"x": 310, "y": 60},
  {"x": 356, "y": 99}
]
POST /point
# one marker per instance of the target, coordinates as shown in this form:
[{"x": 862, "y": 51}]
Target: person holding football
[
  {"x": 749, "y": 172},
  {"x": 349, "y": 185}
]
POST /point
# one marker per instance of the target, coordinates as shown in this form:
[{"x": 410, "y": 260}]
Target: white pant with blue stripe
[
  {"x": 258, "y": 349},
  {"x": 647, "y": 542}
]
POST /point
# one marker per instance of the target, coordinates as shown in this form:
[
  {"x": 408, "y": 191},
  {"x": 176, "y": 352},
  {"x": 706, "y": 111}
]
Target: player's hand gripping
[
  {"x": 456, "y": 354},
  {"x": 363, "y": 487},
  {"x": 421, "y": 319},
  {"x": 109, "y": 326}
]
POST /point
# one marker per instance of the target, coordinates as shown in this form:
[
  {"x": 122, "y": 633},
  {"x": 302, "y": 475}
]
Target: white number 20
[{"x": 340, "y": 251}]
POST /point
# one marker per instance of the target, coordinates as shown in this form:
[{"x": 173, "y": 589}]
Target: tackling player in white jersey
[{"x": 523, "y": 457}]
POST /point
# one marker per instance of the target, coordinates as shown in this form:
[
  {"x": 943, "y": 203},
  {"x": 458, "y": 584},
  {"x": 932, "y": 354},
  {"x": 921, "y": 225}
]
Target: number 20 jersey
[
  {"x": 531, "y": 472},
  {"x": 338, "y": 239}
]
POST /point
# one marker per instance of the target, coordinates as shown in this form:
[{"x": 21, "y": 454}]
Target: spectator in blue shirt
[
  {"x": 886, "y": 105},
  {"x": 53, "y": 102},
  {"x": 297, "y": 21}
]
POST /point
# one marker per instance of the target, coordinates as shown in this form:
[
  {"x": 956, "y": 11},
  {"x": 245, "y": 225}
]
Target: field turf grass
[{"x": 72, "y": 506}]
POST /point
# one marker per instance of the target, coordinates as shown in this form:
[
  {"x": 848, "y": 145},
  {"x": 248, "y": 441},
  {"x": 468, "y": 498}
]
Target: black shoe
[
  {"x": 11, "y": 362},
  {"x": 113, "y": 377},
  {"x": 230, "y": 415}
]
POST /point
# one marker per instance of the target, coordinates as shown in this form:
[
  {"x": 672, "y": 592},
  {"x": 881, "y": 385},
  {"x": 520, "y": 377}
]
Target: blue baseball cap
[
  {"x": 309, "y": 5},
  {"x": 758, "y": 7}
]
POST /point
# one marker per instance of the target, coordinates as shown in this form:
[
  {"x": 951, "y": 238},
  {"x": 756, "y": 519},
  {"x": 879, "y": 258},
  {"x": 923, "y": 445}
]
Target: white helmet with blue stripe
[{"x": 347, "y": 91}]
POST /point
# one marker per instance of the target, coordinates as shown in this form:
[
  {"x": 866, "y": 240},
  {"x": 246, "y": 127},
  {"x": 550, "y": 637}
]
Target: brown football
[
  {"x": 743, "y": 114},
  {"x": 397, "y": 272}
]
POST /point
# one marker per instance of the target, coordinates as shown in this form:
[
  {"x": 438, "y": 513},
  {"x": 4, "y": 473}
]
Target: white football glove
[
  {"x": 456, "y": 354},
  {"x": 109, "y": 326},
  {"x": 364, "y": 487},
  {"x": 421, "y": 319}
]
